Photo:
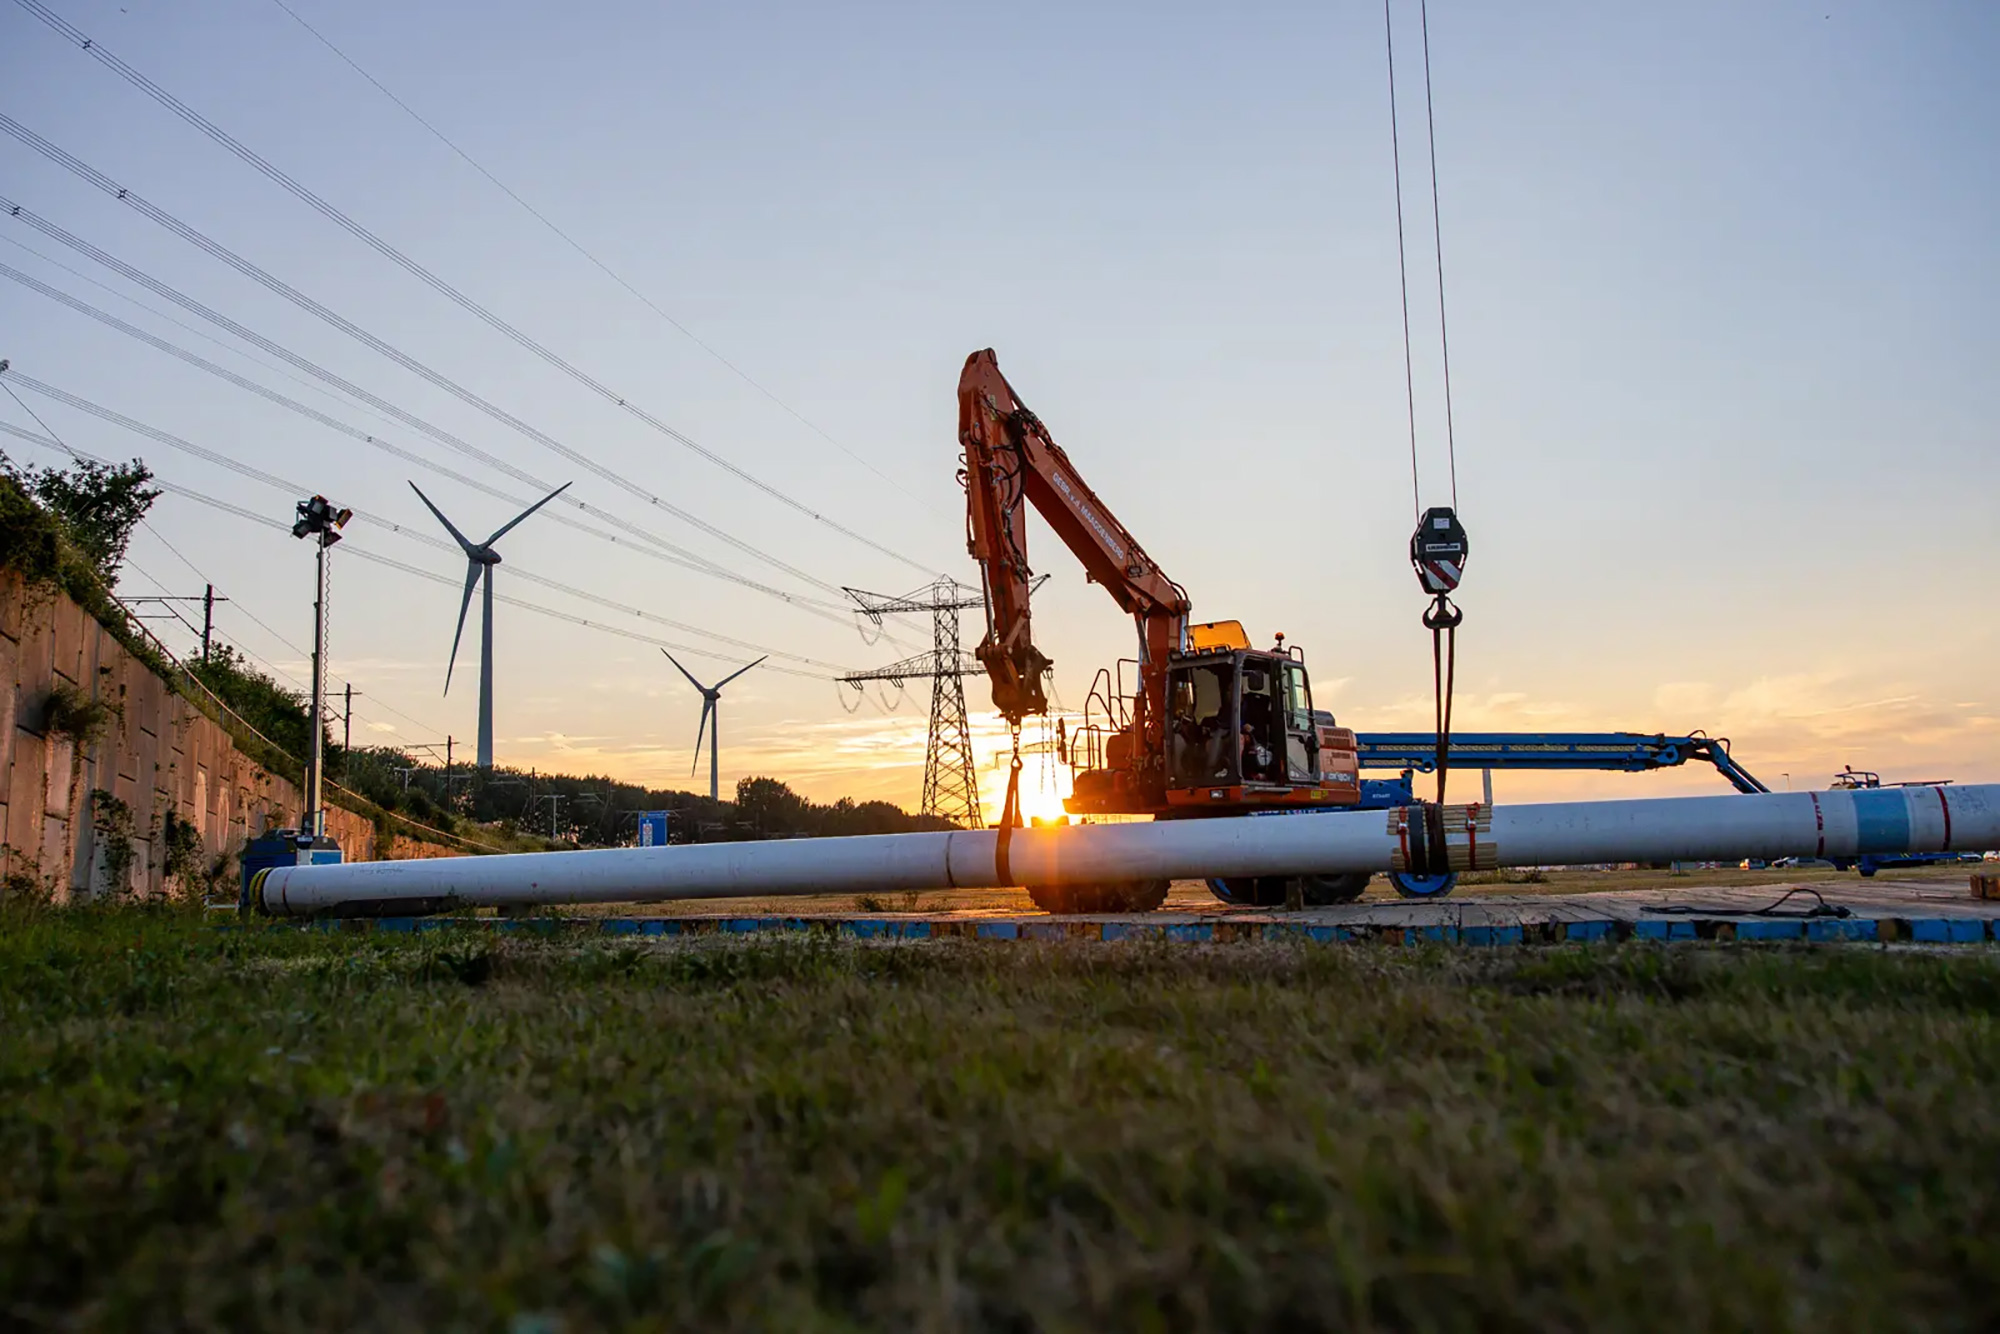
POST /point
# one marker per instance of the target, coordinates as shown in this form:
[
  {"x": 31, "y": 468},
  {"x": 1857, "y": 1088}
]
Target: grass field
[{"x": 276, "y": 1129}]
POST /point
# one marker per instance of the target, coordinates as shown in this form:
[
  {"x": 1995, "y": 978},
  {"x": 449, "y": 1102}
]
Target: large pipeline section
[{"x": 1421, "y": 839}]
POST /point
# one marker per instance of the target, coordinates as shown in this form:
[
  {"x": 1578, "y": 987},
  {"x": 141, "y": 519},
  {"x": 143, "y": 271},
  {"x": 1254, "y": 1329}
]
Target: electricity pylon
[{"x": 951, "y": 779}]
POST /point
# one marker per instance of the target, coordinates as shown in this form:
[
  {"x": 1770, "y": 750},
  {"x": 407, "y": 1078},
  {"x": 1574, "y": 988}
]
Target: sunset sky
[{"x": 1721, "y": 287}]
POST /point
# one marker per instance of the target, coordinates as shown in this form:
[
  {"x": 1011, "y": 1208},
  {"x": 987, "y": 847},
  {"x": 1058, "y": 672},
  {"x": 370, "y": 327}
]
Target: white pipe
[{"x": 1421, "y": 839}]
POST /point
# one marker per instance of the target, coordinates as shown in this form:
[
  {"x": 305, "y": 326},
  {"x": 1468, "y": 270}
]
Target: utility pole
[
  {"x": 208, "y": 601},
  {"x": 320, "y": 521},
  {"x": 347, "y": 720}
]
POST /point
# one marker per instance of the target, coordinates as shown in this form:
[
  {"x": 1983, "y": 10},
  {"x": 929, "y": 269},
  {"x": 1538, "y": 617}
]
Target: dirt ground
[{"x": 1192, "y": 898}]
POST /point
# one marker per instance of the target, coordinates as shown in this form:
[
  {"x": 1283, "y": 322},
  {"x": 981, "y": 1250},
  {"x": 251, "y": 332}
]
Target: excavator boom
[
  {"x": 1214, "y": 726},
  {"x": 1010, "y": 458}
]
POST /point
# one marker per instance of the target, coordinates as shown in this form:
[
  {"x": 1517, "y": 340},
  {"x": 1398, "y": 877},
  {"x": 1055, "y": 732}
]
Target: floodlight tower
[{"x": 319, "y": 520}]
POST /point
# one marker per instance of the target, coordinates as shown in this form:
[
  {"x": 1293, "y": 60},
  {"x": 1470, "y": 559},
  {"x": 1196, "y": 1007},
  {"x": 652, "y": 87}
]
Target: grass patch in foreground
[{"x": 277, "y": 1129}]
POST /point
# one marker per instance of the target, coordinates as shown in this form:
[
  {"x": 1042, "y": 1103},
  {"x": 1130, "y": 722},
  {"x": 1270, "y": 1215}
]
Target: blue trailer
[{"x": 1411, "y": 753}]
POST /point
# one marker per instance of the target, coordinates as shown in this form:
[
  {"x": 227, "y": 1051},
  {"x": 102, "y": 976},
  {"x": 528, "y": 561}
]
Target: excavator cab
[{"x": 1241, "y": 732}]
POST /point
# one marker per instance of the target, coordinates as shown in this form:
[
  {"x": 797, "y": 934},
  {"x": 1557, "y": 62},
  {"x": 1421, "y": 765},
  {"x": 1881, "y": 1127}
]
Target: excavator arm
[{"x": 1010, "y": 458}]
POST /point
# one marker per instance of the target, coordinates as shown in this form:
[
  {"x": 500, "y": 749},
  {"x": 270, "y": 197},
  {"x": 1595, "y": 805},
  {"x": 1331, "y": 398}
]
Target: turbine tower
[
  {"x": 711, "y": 706},
  {"x": 479, "y": 562}
]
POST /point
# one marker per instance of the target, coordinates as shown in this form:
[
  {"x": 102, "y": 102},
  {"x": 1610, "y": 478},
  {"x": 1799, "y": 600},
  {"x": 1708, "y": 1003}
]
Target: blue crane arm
[{"x": 1631, "y": 752}]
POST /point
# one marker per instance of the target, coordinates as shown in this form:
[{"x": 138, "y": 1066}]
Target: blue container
[{"x": 284, "y": 847}]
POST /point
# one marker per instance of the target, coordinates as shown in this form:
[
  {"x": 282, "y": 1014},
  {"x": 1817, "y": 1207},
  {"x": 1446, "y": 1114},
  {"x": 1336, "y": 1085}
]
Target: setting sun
[{"x": 1043, "y": 805}]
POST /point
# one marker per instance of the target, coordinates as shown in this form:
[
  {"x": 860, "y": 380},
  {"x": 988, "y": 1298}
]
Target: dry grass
[{"x": 276, "y": 1129}]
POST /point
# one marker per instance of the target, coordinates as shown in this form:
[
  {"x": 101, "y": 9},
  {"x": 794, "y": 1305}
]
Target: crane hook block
[{"x": 1437, "y": 550}]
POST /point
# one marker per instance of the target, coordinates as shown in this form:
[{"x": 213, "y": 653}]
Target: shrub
[
  {"x": 71, "y": 713},
  {"x": 111, "y": 819}
]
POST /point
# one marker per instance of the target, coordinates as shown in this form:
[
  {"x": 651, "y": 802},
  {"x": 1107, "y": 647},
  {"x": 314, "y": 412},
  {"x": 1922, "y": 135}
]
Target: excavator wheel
[
  {"x": 1268, "y": 891},
  {"x": 1250, "y": 891},
  {"x": 1109, "y": 897},
  {"x": 1325, "y": 890},
  {"x": 1413, "y": 886}
]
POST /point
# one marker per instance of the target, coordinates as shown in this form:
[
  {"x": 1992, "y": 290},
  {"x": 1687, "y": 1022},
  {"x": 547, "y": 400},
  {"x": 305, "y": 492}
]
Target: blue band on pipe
[{"x": 1881, "y": 821}]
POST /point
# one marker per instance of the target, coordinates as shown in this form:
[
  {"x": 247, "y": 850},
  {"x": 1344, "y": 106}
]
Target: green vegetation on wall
[
  {"x": 69, "y": 712},
  {"x": 280, "y": 714}
]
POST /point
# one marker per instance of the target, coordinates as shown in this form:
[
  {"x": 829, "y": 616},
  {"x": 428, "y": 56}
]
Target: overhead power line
[
  {"x": 417, "y": 571},
  {"x": 486, "y": 316},
  {"x": 171, "y": 441},
  {"x": 656, "y": 548},
  {"x": 158, "y": 314},
  {"x": 295, "y": 488},
  {"x": 188, "y": 303},
  {"x": 580, "y": 249},
  {"x": 348, "y": 327},
  {"x": 236, "y": 603}
]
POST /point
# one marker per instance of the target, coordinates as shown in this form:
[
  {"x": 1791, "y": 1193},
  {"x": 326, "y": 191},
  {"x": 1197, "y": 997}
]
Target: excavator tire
[
  {"x": 1118, "y": 896},
  {"x": 1325, "y": 890},
  {"x": 1268, "y": 891}
]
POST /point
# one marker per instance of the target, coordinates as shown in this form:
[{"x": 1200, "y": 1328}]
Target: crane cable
[{"x": 1438, "y": 547}]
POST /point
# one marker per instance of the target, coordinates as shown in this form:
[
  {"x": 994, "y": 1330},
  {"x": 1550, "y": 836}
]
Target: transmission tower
[{"x": 951, "y": 780}]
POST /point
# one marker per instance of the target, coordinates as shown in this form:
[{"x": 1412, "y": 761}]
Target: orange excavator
[{"x": 1210, "y": 726}]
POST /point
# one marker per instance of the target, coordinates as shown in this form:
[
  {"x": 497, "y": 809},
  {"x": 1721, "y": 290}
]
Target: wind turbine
[
  {"x": 479, "y": 562},
  {"x": 711, "y": 701}
]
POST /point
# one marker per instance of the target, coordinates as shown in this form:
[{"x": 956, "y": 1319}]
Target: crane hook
[{"x": 1437, "y": 552}]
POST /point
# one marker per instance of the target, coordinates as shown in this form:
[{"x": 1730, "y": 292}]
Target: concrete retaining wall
[{"x": 158, "y": 753}]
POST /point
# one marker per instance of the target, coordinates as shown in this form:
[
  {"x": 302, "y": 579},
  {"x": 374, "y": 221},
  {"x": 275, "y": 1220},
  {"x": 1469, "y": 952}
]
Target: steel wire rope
[
  {"x": 340, "y": 219},
  {"x": 580, "y": 249},
  {"x": 1437, "y": 235},
  {"x": 1442, "y": 619},
  {"x": 294, "y": 488},
  {"x": 671, "y": 554},
  {"x": 1402, "y": 264},
  {"x": 418, "y": 368}
]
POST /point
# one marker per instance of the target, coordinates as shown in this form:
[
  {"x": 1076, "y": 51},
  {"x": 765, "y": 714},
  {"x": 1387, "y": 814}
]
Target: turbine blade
[
  {"x": 472, "y": 569},
  {"x": 738, "y": 672},
  {"x": 448, "y": 527},
  {"x": 700, "y": 732},
  {"x": 685, "y": 672},
  {"x": 515, "y": 521}
]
